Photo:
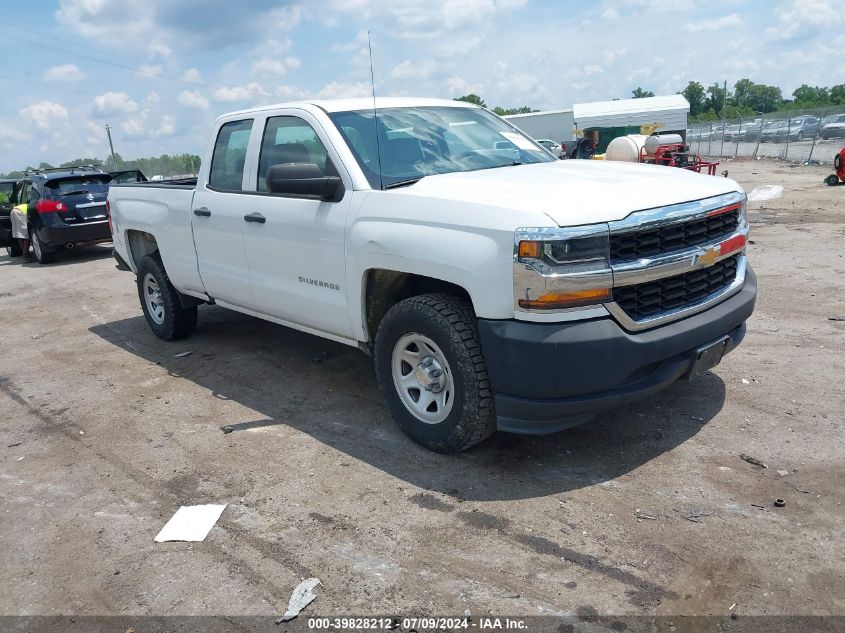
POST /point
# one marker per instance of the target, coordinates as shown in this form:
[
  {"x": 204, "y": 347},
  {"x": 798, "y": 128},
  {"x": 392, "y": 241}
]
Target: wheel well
[
  {"x": 385, "y": 288},
  {"x": 141, "y": 244}
]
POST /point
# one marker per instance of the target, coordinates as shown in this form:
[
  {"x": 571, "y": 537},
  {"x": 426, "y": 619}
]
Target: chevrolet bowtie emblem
[{"x": 707, "y": 257}]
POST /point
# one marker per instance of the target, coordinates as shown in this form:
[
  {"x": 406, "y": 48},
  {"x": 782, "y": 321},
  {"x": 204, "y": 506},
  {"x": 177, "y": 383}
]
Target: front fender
[{"x": 477, "y": 260}]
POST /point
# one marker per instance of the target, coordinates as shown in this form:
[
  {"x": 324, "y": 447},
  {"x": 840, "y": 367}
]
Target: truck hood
[{"x": 574, "y": 192}]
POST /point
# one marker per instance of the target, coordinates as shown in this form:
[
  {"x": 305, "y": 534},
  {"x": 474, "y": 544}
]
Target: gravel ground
[{"x": 649, "y": 510}]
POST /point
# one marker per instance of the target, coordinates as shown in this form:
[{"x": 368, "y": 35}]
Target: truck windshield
[{"x": 424, "y": 141}]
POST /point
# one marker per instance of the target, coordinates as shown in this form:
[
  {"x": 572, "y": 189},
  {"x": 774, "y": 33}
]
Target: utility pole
[
  {"x": 724, "y": 113},
  {"x": 111, "y": 145}
]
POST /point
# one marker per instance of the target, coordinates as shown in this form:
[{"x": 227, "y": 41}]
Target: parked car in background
[
  {"x": 770, "y": 131},
  {"x": 124, "y": 176},
  {"x": 796, "y": 129},
  {"x": 7, "y": 195},
  {"x": 557, "y": 149},
  {"x": 751, "y": 130},
  {"x": 733, "y": 134},
  {"x": 67, "y": 206},
  {"x": 833, "y": 126}
]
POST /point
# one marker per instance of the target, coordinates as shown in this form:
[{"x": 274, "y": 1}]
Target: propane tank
[
  {"x": 625, "y": 148},
  {"x": 655, "y": 141}
]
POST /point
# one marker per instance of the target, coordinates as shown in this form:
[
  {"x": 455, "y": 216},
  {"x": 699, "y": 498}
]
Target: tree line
[
  {"x": 164, "y": 165},
  {"x": 746, "y": 99}
]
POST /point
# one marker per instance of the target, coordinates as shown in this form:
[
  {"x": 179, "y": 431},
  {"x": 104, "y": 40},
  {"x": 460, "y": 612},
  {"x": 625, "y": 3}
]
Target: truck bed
[{"x": 174, "y": 183}]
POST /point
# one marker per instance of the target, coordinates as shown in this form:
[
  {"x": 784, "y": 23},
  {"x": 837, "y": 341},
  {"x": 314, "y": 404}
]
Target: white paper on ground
[
  {"x": 301, "y": 597},
  {"x": 190, "y": 523},
  {"x": 765, "y": 192}
]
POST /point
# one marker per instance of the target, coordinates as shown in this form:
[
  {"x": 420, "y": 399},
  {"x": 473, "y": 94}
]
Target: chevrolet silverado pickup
[{"x": 432, "y": 235}]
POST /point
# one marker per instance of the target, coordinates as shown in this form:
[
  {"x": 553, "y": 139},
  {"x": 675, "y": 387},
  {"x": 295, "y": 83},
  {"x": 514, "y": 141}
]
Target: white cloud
[
  {"x": 801, "y": 17},
  {"x": 413, "y": 70},
  {"x": 272, "y": 66},
  {"x": 150, "y": 70},
  {"x": 149, "y": 125},
  {"x": 716, "y": 24},
  {"x": 192, "y": 74},
  {"x": 239, "y": 93},
  {"x": 193, "y": 99},
  {"x": 610, "y": 13},
  {"x": 64, "y": 72},
  {"x": 114, "y": 103},
  {"x": 45, "y": 114},
  {"x": 340, "y": 90}
]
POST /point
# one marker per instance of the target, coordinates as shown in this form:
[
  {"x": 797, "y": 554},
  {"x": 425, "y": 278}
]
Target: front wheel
[
  {"x": 432, "y": 372},
  {"x": 160, "y": 302},
  {"x": 43, "y": 254}
]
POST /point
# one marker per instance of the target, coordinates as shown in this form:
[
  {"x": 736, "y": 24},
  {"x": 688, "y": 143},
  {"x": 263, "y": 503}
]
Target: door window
[
  {"x": 227, "y": 161},
  {"x": 289, "y": 139}
]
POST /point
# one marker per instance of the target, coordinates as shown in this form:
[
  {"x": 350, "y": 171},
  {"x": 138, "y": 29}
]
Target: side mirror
[{"x": 305, "y": 180}]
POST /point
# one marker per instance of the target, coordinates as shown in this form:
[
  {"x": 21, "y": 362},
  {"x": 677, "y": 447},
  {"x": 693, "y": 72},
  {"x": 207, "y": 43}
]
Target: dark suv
[{"x": 66, "y": 206}]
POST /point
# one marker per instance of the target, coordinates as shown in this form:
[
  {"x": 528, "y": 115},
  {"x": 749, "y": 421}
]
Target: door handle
[
  {"x": 255, "y": 217},
  {"x": 202, "y": 212}
]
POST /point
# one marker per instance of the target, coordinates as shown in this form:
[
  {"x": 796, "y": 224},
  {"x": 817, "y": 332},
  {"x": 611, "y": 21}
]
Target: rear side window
[
  {"x": 289, "y": 139},
  {"x": 227, "y": 161},
  {"x": 6, "y": 190},
  {"x": 77, "y": 185}
]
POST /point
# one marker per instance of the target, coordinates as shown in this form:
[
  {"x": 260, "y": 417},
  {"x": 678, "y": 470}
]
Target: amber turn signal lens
[
  {"x": 560, "y": 300},
  {"x": 530, "y": 249}
]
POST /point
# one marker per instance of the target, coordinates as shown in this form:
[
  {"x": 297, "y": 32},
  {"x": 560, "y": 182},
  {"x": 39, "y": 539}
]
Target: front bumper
[
  {"x": 548, "y": 377},
  {"x": 57, "y": 234}
]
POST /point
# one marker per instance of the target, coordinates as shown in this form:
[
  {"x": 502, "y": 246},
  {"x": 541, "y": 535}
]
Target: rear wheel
[
  {"x": 432, "y": 373},
  {"x": 43, "y": 253},
  {"x": 160, "y": 302}
]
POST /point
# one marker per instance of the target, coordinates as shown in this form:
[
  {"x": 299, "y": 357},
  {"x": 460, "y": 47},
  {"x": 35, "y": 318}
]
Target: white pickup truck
[{"x": 495, "y": 286}]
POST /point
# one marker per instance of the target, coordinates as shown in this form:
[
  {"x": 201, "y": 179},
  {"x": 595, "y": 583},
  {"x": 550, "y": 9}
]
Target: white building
[
  {"x": 556, "y": 125},
  {"x": 669, "y": 112}
]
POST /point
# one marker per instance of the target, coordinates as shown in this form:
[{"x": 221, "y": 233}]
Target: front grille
[
  {"x": 642, "y": 301},
  {"x": 672, "y": 237}
]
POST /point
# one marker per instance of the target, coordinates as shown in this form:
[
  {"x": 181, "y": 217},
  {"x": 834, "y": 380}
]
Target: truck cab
[{"x": 434, "y": 236}]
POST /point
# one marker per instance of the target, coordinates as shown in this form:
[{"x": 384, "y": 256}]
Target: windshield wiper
[{"x": 403, "y": 183}]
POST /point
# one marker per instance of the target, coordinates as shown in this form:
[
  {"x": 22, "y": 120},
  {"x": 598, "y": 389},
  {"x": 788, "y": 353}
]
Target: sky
[{"x": 160, "y": 71}]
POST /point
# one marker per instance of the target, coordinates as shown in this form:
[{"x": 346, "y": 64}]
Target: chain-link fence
[{"x": 809, "y": 135}]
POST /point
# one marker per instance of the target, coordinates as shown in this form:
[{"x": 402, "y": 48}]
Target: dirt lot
[{"x": 650, "y": 510}]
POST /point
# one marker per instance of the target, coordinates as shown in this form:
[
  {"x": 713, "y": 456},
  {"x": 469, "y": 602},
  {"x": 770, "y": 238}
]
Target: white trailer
[{"x": 556, "y": 125}]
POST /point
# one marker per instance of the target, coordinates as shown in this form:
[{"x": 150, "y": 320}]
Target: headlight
[{"x": 557, "y": 269}]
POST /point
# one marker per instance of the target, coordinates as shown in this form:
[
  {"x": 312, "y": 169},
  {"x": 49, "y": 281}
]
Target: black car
[
  {"x": 66, "y": 206},
  {"x": 7, "y": 194}
]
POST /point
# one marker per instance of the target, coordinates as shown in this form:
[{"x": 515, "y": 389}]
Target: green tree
[
  {"x": 696, "y": 95},
  {"x": 715, "y": 99},
  {"x": 506, "y": 111},
  {"x": 639, "y": 93},
  {"x": 811, "y": 96},
  {"x": 472, "y": 98}
]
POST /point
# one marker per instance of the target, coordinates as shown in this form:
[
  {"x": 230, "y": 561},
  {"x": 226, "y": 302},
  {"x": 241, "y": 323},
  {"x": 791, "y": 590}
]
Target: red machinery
[
  {"x": 839, "y": 165},
  {"x": 670, "y": 150}
]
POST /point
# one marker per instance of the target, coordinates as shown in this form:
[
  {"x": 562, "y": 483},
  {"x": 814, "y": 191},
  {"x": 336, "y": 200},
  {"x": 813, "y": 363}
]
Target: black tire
[
  {"x": 832, "y": 180},
  {"x": 177, "y": 322},
  {"x": 837, "y": 162},
  {"x": 451, "y": 324},
  {"x": 14, "y": 250},
  {"x": 43, "y": 254}
]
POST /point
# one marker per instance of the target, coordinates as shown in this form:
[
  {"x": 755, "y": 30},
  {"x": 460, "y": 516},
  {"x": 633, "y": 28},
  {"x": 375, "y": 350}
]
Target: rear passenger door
[
  {"x": 217, "y": 218},
  {"x": 295, "y": 245}
]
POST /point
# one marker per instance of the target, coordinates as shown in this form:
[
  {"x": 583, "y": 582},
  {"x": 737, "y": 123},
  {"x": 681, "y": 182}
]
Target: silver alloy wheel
[
  {"x": 36, "y": 244},
  {"x": 423, "y": 378},
  {"x": 152, "y": 297}
]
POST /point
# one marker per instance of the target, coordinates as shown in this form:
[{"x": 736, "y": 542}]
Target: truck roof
[{"x": 360, "y": 103}]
